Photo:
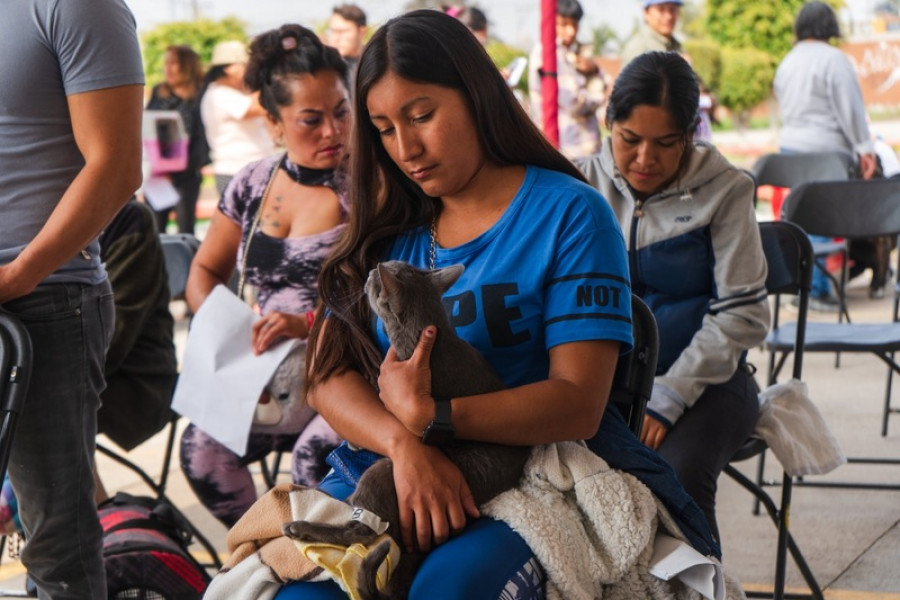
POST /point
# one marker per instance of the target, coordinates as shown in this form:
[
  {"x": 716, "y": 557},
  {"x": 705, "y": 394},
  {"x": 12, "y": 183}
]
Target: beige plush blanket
[{"x": 592, "y": 528}]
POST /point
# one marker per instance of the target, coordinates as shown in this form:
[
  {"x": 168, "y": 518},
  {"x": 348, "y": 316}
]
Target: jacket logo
[{"x": 683, "y": 219}]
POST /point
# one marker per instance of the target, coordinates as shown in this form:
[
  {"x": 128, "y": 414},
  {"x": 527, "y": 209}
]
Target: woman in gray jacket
[{"x": 695, "y": 257}]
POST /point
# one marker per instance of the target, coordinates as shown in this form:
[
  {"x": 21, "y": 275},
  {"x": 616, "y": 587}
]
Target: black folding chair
[
  {"x": 178, "y": 250},
  {"x": 633, "y": 379},
  {"x": 789, "y": 256},
  {"x": 789, "y": 170},
  {"x": 849, "y": 209},
  {"x": 15, "y": 374}
]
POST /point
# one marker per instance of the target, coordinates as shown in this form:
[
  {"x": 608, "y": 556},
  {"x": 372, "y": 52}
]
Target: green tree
[
  {"x": 760, "y": 24},
  {"x": 745, "y": 80},
  {"x": 201, "y": 35},
  {"x": 706, "y": 58}
]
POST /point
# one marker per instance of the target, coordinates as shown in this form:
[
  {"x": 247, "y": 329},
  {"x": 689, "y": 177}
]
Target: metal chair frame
[
  {"x": 178, "y": 250},
  {"x": 846, "y": 209},
  {"x": 791, "y": 169},
  {"x": 789, "y": 255}
]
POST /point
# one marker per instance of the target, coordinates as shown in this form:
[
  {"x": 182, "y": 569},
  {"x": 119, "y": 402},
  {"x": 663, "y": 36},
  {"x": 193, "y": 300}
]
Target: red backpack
[{"x": 145, "y": 550}]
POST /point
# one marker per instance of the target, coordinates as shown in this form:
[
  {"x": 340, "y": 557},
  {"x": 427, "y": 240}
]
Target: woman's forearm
[
  {"x": 568, "y": 405},
  {"x": 352, "y": 407}
]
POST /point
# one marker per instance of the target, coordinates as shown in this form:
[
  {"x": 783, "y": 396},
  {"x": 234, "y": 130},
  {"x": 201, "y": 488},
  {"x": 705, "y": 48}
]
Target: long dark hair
[
  {"x": 189, "y": 64},
  {"x": 279, "y": 54},
  {"x": 430, "y": 47}
]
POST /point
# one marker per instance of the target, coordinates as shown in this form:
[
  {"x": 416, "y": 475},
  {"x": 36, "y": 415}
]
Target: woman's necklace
[
  {"x": 305, "y": 175},
  {"x": 432, "y": 255}
]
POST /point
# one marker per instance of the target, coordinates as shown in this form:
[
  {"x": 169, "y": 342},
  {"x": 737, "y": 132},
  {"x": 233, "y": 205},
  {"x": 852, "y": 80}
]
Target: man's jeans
[{"x": 53, "y": 448}]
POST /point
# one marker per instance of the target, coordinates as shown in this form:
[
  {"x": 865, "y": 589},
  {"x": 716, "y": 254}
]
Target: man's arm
[{"x": 107, "y": 128}]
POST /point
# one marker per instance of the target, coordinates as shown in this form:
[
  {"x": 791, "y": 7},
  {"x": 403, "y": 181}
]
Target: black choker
[{"x": 304, "y": 175}]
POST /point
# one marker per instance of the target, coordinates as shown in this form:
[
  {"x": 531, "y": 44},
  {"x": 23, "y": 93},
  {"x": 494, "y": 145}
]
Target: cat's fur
[{"x": 408, "y": 299}]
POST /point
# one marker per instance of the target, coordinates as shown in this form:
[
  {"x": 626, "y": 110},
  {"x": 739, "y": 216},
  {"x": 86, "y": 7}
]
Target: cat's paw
[
  {"x": 347, "y": 534},
  {"x": 299, "y": 530}
]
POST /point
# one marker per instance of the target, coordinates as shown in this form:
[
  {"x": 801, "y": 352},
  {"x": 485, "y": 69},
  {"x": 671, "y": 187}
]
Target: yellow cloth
[
  {"x": 343, "y": 564},
  {"x": 263, "y": 558}
]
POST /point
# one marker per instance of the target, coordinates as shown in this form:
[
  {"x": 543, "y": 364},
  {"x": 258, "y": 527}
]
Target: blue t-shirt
[{"x": 551, "y": 270}]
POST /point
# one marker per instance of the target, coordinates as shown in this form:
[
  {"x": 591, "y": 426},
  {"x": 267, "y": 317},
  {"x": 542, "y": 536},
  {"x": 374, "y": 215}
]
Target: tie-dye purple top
[{"x": 283, "y": 270}]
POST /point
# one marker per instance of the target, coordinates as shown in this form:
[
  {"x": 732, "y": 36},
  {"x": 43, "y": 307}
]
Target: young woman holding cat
[
  {"x": 277, "y": 220},
  {"x": 448, "y": 169},
  {"x": 696, "y": 260}
]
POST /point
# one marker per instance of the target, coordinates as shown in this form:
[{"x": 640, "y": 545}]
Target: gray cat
[{"x": 408, "y": 299}]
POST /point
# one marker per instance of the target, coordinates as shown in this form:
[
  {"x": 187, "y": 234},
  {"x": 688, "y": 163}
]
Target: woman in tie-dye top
[{"x": 275, "y": 224}]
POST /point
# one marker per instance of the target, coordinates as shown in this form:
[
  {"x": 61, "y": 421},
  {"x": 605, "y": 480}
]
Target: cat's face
[{"x": 395, "y": 287}]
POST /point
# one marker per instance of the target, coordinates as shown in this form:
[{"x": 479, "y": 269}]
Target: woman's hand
[
  {"x": 433, "y": 497},
  {"x": 405, "y": 385},
  {"x": 277, "y": 326},
  {"x": 653, "y": 432},
  {"x": 867, "y": 165}
]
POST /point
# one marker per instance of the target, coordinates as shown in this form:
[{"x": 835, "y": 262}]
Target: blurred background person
[
  {"x": 232, "y": 116},
  {"x": 347, "y": 32},
  {"x": 582, "y": 86},
  {"x": 822, "y": 110},
  {"x": 657, "y": 32},
  {"x": 473, "y": 18},
  {"x": 181, "y": 92}
]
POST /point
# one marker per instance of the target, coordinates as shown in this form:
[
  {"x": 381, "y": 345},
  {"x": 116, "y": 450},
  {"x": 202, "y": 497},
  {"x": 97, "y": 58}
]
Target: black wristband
[{"x": 440, "y": 430}]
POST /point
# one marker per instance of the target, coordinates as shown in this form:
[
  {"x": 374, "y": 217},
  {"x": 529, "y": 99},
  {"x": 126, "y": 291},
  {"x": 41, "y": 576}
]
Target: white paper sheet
[
  {"x": 160, "y": 193},
  {"x": 674, "y": 558},
  {"x": 221, "y": 379}
]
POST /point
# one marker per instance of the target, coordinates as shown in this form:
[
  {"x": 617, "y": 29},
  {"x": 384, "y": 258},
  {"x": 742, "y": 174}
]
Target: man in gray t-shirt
[{"x": 70, "y": 156}]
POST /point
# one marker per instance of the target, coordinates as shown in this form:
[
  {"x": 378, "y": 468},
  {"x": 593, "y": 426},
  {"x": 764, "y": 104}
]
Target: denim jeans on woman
[{"x": 50, "y": 466}]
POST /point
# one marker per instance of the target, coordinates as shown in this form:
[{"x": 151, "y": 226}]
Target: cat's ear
[
  {"x": 388, "y": 280},
  {"x": 446, "y": 277}
]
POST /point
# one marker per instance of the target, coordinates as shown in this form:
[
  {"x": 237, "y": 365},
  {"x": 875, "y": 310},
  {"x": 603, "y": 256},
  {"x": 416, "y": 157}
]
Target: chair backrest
[
  {"x": 16, "y": 356},
  {"x": 179, "y": 250},
  {"x": 633, "y": 379},
  {"x": 850, "y": 209},
  {"x": 789, "y": 256},
  {"x": 792, "y": 169}
]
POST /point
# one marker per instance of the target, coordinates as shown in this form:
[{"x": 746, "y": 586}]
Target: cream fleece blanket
[{"x": 592, "y": 528}]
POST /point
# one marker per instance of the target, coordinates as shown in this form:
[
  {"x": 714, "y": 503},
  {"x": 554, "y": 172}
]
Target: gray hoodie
[{"x": 696, "y": 258}]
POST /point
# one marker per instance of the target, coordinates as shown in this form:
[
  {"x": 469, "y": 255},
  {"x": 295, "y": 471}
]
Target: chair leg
[
  {"x": 842, "y": 300},
  {"x": 760, "y": 467},
  {"x": 267, "y": 475},
  {"x": 786, "y": 541},
  {"x": 887, "y": 400}
]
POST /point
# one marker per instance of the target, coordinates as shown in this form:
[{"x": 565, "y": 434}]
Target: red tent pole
[{"x": 549, "y": 83}]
